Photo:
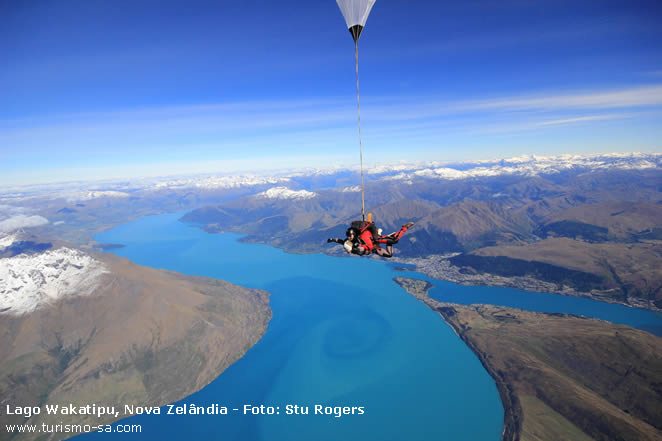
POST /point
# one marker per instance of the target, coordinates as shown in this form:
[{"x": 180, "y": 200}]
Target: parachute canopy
[{"x": 356, "y": 14}]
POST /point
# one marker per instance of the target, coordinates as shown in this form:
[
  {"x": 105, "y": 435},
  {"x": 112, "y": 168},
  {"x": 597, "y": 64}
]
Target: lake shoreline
[
  {"x": 512, "y": 411},
  {"x": 562, "y": 375},
  {"x": 439, "y": 267},
  {"x": 322, "y": 347}
]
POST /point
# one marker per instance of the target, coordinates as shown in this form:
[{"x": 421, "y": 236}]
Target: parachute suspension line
[{"x": 358, "y": 104}]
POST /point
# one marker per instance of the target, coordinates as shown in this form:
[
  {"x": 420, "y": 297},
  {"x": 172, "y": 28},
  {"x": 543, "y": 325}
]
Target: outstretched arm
[{"x": 329, "y": 240}]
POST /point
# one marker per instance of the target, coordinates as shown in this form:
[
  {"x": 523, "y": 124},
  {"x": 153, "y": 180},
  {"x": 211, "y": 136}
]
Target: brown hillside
[
  {"x": 562, "y": 377},
  {"x": 632, "y": 270},
  {"x": 622, "y": 218},
  {"x": 469, "y": 220},
  {"x": 145, "y": 336}
]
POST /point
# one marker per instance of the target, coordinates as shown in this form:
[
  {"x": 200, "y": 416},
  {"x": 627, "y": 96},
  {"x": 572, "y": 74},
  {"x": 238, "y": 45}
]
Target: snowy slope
[
  {"x": 218, "y": 182},
  {"x": 28, "y": 282},
  {"x": 74, "y": 196},
  {"x": 526, "y": 165},
  {"x": 535, "y": 165},
  {"x": 286, "y": 193}
]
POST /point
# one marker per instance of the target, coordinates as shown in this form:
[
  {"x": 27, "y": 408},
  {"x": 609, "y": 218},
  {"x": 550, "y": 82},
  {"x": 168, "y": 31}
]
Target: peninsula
[
  {"x": 132, "y": 335},
  {"x": 561, "y": 376}
]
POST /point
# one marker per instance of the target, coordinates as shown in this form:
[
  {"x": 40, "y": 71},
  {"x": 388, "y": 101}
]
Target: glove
[{"x": 329, "y": 240}]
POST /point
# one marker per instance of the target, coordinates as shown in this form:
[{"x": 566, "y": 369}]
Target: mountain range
[
  {"x": 591, "y": 224},
  {"x": 586, "y": 224}
]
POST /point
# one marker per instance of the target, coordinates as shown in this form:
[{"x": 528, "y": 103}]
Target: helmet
[
  {"x": 351, "y": 231},
  {"x": 348, "y": 246}
]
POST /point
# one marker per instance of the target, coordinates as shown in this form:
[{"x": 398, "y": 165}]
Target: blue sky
[{"x": 117, "y": 88}]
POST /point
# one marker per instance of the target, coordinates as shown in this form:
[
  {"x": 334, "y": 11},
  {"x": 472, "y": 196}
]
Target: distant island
[{"x": 561, "y": 377}]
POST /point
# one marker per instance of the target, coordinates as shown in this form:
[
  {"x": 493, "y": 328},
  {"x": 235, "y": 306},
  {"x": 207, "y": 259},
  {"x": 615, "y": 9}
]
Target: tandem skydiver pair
[{"x": 363, "y": 238}]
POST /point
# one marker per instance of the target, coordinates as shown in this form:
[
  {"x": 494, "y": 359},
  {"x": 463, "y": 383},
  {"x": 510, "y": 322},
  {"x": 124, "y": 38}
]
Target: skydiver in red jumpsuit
[{"x": 366, "y": 239}]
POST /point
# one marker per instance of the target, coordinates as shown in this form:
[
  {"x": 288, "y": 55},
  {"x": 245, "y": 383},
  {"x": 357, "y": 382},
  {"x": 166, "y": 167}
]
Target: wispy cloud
[
  {"x": 21, "y": 221},
  {"x": 322, "y": 112},
  {"x": 645, "y": 96},
  {"x": 11, "y": 210},
  {"x": 302, "y": 129},
  {"x": 582, "y": 119},
  {"x": 541, "y": 124}
]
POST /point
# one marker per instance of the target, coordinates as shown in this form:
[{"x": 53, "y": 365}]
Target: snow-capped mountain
[
  {"x": 527, "y": 165},
  {"x": 532, "y": 165},
  {"x": 286, "y": 193},
  {"x": 77, "y": 347},
  {"x": 28, "y": 282},
  {"x": 75, "y": 196},
  {"x": 216, "y": 182}
]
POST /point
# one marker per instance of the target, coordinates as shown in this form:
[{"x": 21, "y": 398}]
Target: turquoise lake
[{"x": 342, "y": 334}]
